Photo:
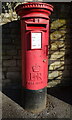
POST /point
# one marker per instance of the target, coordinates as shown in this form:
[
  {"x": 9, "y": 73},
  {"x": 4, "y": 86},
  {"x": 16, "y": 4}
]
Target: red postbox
[{"x": 34, "y": 36}]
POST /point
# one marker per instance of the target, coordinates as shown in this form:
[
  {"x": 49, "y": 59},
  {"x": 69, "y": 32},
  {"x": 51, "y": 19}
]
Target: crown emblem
[{"x": 36, "y": 68}]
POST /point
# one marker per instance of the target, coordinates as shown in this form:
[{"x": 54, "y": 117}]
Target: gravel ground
[{"x": 55, "y": 108}]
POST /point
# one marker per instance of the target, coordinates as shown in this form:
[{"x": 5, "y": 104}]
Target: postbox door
[{"x": 36, "y": 60}]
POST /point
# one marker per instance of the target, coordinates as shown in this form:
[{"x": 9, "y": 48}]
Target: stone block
[
  {"x": 6, "y": 39},
  {"x": 13, "y": 69},
  {"x": 0, "y": 61},
  {"x": 11, "y": 52},
  {"x": 56, "y": 57},
  {"x": 57, "y": 45},
  {"x": 57, "y": 35},
  {"x": 19, "y": 63},
  {"x": 8, "y": 47},
  {"x": 67, "y": 73},
  {"x": 58, "y": 63},
  {"x": 60, "y": 74},
  {"x": 1, "y": 68},
  {"x": 50, "y": 61},
  {"x": 51, "y": 67},
  {"x": 59, "y": 67},
  {"x": 14, "y": 15},
  {"x": 53, "y": 74},
  {"x": 56, "y": 67},
  {"x": 6, "y": 20},
  {"x": 68, "y": 67},
  {"x": 17, "y": 57},
  {"x": 3, "y": 52},
  {"x": 14, "y": 76},
  {"x": 59, "y": 23},
  {"x": 6, "y": 57},
  {"x": 54, "y": 46},
  {"x": 53, "y": 83},
  {"x": 16, "y": 41},
  {"x": 18, "y": 47},
  {"x": 5, "y": 30},
  {"x": 4, "y": 69},
  {"x": 3, "y": 76},
  {"x": 6, "y": 15},
  {"x": 57, "y": 52},
  {"x": 6, "y": 82},
  {"x": 68, "y": 61},
  {"x": 9, "y": 63}
]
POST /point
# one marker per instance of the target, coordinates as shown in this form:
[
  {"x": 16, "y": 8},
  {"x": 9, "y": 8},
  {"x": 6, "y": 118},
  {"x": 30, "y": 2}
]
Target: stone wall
[
  {"x": 60, "y": 58},
  {"x": 60, "y": 71}
]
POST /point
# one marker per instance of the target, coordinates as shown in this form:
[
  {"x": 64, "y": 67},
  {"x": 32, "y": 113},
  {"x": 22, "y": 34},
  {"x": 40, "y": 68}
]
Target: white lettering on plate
[{"x": 36, "y": 40}]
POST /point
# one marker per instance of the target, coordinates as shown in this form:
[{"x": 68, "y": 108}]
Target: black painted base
[{"x": 34, "y": 100}]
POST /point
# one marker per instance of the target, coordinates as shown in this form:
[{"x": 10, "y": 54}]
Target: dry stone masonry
[{"x": 60, "y": 54}]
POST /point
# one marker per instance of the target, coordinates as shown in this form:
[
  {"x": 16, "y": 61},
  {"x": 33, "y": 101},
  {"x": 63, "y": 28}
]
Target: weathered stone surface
[
  {"x": 6, "y": 82},
  {"x": 9, "y": 63},
  {"x": 61, "y": 67},
  {"x": 58, "y": 23},
  {"x": 13, "y": 69},
  {"x": 54, "y": 46},
  {"x": 51, "y": 67},
  {"x": 3, "y": 52},
  {"x": 53, "y": 83},
  {"x": 6, "y": 39},
  {"x": 68, "y": 67},
  {"x": 19, "y": 62},
  {"x": 53, "y": 74},
  {"x": 0, "y": 104},
  {"x": 4, "y": 69},
  {"x": 0, "y": 19},
  {"x": 6, "y": 20},
  {"x": 8, "y": 47},
  {"x": 57, "y": 63},
  {"x": 6, "y": 57},
  {"x": 15, "y": 16},
  {"x": 14, "y": 76},
  {"x": 56, "y": 67},
  {"x": 57, "y": 35},
  {"x": 3, "y": 76},
  {"x": 55, "y": 57},
  {"x": 67, "y": 73},
  {"x": 11, "y": 52},
  {"x": 57, "y": 45},
  {"x": 60, "y": 43},
  {"x": 6, "y": 15}
]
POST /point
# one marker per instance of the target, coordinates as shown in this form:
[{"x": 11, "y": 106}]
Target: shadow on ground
[{"x": 62, "y": 93}]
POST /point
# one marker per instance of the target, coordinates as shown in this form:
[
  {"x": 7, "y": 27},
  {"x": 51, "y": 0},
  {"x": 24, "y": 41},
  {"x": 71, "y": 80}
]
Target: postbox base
[{"x": 34, "y": 100}]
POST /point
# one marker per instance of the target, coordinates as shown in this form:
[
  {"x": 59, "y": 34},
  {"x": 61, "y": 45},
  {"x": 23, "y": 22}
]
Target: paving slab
[{"x": 55, "y": 108}]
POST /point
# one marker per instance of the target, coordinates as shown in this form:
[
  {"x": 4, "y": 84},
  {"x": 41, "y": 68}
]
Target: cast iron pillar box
[{"x": 34, "y": 38}]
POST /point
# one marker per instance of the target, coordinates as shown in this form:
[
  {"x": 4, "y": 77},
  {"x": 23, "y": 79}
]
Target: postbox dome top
[
  {"x": 34, "y": 5},
  {"x": 34, "y": 9}
]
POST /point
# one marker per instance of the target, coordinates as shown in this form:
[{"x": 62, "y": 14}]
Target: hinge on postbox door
[{"x": 46, "y": 50}]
